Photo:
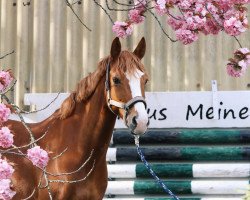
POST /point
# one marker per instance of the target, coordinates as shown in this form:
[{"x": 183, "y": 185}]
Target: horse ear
[
  {"x": 115, "y": 48},
  {"x": 140, "y": 49}
]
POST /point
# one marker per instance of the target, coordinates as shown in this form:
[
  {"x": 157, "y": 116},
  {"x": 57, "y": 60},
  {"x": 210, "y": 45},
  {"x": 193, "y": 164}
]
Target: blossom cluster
[
  {"x": 5, "y": 80},
  {"x": 190, "y": 18},
  {"x": 4, "y": 113},
  {"x": 193, "y": 17},
  {"x": 238, "y": 65},
  {"x": 6, "y": 193},
  {"x": 6, "y": 141},
  {"x": 6, "y": 171},
  {"x": 124, "y": 29},
  {"x": 36, "y": 155},
  {"x": 204, "y": 16},
  {"x": 6, "y": 137}
]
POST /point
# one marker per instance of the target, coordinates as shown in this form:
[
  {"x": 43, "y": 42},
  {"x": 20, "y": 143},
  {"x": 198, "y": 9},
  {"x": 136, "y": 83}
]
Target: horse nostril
[{"x": 134, "y": 122}]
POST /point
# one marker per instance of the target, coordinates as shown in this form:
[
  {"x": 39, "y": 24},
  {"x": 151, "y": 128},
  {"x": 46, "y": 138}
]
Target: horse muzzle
[
  {"x": 134, "y": 113},
  {"x": 137, "y": 121}
]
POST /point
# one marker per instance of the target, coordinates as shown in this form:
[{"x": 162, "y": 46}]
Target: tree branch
[
  {"x": 106, "y": 12},
  {"x": 2, "y": 57},
  {"x": 71, "y": 8}
]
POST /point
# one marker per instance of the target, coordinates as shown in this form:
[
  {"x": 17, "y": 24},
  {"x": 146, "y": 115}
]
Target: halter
[{"x": 125, "y": 106}]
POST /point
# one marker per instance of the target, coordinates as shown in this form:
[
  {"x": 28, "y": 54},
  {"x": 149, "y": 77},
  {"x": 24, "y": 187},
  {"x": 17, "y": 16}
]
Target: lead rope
[{"x": 150, "y": 170}]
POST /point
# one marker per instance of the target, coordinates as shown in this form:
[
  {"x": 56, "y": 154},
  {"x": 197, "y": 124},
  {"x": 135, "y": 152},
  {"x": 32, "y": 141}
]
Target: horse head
[{"x": 125, "y": 86}]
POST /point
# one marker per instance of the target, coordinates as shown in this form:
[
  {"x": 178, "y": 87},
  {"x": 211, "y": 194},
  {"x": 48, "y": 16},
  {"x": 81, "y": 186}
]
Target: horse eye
[{"x": 116, "y": 80}]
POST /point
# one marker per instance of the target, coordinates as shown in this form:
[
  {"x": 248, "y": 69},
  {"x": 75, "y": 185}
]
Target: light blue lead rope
[{"x": 149, "y": 168}]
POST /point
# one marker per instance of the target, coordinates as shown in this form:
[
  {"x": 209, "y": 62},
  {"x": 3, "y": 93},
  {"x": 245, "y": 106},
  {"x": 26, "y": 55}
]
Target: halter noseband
[{"x": 125, "y": 106}]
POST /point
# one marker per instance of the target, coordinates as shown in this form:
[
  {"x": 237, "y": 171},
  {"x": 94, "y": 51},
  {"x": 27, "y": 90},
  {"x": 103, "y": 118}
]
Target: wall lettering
[
  {"x": 201, "y": 112},
  {"x": 157, "y": 114}
]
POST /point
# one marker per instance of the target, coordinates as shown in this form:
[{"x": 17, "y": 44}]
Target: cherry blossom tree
[
  {"x": 188, "y": 19},
  {"x": 35, "y": 154},
  {"x": 191, "y": 18},
  {"x": 6, "y": 141}
]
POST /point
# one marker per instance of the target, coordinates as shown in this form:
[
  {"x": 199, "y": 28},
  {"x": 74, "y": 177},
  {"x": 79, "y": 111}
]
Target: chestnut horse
[{"x": 83, "y": 127}]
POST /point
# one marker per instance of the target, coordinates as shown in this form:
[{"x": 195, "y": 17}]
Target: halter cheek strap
[{"x": 125, "y": 106}]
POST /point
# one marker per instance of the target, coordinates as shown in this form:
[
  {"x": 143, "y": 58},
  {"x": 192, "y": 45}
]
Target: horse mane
[{"x": 127, "y": 61}]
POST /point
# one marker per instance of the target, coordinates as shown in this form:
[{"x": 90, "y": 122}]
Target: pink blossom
[
  {"x": 200, "y": 9},
  {"x": 243, "y": 50},
  {"x": 210, "y": 27},
  {"x": 135, "y": 16},
  {"x": 234, "y": 27},
  {"x": 160, "y": 11},
  {"x": 5, "y": 191},
  {"x": 208, "y": 17},
  {"x": 38, "y": 156},
  {"x": 242, "y": 64},
  {"x": 6, "y": 170},
  {"x": 224, "y": 4},
  {"x": 140, "y": 5},
  {"x": 122, "y": 29},
  {"x": 5, "y": 80},
  {"x": 248, "y": 59},
  {"x": 175, "y": 23},
  {"x": 195, "y": 22},
  {"x": 129, "y": 30},
  {"x": 241, "y": 1},
  {"x": 232, "y": 12},
  {"x": 234, "y": 70},
  {"x": 243, "y": 56},
  {"x": 6, "y": 137},
  {"x": 185, "y": 4},
  {"x": 238, "y": 65},
  {"x": 161, "y": 3},
  {"x": 188, "y": 13},
  {"x": 4, "y": 113},
  {"x": 211, "y": 8},
  {"x": 186, "y": 36},
  {"x": 191, "y": 23},
  {"x": 140, "y": 2}
]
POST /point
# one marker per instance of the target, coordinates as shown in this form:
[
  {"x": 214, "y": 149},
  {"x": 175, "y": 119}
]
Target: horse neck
[{"x": 96, "y": 120}]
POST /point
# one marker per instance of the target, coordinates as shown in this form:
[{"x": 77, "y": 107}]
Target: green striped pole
[
  {"x": 163, "y": 170},
  {"x": 180, "y": 154},
  {"x": 185, "y": 136},
  {"x": 195, "y": 187},
  {"x": 213, "y": 198}
]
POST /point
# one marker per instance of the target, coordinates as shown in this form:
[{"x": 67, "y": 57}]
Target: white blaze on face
[{"x": 135, "y": 87}]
